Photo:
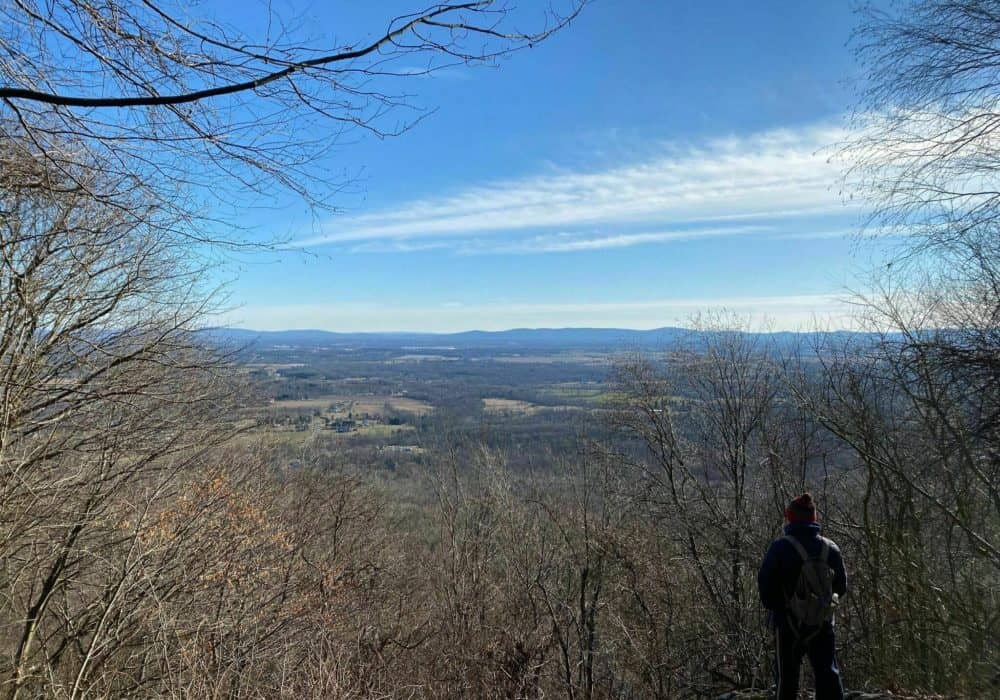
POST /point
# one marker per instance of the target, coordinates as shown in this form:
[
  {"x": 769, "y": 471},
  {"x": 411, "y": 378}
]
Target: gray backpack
[{"x": 812, "y": 601}]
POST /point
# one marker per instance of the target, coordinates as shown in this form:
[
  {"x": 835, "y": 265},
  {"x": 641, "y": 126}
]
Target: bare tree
[
  {"x": 924, "y": 157},
  {"x": 105, "y": 395},
  {"x": 926, "y": 149},
  {"x": 915, "y": 500},
  {"x": 135, "y": 557},
  {"x": 704, "y": 418},
  {"x": 920, "y": 407},
  {"x": 188, "y": 106}
]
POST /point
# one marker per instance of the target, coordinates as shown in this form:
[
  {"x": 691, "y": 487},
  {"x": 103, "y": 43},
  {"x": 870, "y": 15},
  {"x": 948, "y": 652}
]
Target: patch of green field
[{"x": 573, "y": 392}]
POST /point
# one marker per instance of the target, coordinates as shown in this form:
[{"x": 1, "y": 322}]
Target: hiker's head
[{"x": 802, "y": 509}]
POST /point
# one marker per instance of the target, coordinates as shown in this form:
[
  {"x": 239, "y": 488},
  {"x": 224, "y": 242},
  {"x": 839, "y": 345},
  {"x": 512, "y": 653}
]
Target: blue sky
[{"x": 654, "y": 160}]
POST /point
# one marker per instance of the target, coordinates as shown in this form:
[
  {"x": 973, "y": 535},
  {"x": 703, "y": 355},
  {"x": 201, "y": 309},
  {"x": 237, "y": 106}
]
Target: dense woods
[{"x": 150, "y": 547}]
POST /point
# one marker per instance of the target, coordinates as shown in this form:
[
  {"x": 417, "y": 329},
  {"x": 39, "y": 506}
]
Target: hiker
[{"x": 800, "y": 581}]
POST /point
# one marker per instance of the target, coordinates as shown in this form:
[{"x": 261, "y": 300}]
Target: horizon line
[{"x": 527, "y": 328}]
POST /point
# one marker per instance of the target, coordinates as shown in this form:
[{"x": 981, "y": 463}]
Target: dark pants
[{"x": 819, "y": 649}]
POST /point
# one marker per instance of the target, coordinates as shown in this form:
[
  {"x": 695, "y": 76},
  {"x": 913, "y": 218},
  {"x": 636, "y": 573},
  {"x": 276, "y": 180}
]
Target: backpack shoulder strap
[
  {"x": 824, "y": 555},
  {"x": 798, "y": 547}
]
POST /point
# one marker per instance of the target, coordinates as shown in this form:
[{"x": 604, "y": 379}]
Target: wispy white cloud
[
  {"x": 397, "y": 246},
  {"x": 563, "y": 242},
  {"x": 568, "y": 242},
  {"x": 774, "y": 175},
  {"x": 781, "y": 312},
  {"x": 814, "y": 235}
]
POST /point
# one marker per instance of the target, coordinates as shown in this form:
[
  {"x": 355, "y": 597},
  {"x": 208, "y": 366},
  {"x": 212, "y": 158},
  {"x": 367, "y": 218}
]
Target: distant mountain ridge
[{"x": 549, "y": 338}]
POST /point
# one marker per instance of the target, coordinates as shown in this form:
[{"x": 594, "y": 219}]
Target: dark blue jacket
[{"x": 779, "y": 571}]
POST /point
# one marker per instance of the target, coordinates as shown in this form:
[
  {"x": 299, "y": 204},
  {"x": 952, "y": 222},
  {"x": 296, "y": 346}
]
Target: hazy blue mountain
[{"x": 517, "y": 338}]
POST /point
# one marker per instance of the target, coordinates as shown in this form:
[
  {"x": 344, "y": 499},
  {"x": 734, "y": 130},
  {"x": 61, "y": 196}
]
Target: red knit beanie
[{"x": 801, "y": 509}]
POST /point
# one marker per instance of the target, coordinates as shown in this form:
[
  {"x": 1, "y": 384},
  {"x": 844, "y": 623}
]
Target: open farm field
[
  {"x": 377, "y": 404},
  {"x": 389, "y": 396},
  {"x": 421, "y": 358},
  {"x": 319, "y": 403},
  {"x": 509, "y": 406},
  {"x": 382, "y": 431},
  {"x": 519, "y": 407},
  {"x": 356, "y": 403},
  {"x": 576, "y": 392},
  {"x": 594, "y": 359}
]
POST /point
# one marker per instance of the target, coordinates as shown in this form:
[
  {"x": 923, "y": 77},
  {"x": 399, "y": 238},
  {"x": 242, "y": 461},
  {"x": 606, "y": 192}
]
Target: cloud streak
[
  {"x": 562, "y": 242},
  {"x": 781, "y": 174}
]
